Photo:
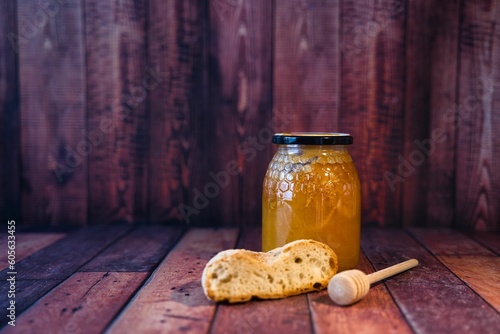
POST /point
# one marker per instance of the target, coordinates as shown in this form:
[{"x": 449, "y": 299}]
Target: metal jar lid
[{"x": 312, "y": 138}]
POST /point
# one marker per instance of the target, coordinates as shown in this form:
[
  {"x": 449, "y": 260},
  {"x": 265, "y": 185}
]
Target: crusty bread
[{"x": 237, "y": 275}]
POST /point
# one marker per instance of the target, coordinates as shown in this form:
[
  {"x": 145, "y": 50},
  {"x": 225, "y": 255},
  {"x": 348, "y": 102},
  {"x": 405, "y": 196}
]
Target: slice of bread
[{"x": 238, "y": 275}]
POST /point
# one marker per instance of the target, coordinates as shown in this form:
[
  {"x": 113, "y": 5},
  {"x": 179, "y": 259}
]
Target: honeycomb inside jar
[{"x": 313, "y": 192}]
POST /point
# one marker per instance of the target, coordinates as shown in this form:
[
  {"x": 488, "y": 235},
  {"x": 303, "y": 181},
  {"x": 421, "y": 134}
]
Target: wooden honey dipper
[{"x": 347, "y": 287}]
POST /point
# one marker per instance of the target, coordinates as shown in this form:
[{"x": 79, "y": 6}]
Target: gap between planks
[
  {"x": 86, "y": 300},
  {"x": 42, "y": 271},
  {"x": 287, "y": 315},
  {"x": 308, "y": 313},
  {"x": 471, "y": 262},
  {"x": 133, "y": 254},
  {"x": 27, "y": 244},
  {"x": 172, "y": 299},
  {"x": 431, "y": 297}
]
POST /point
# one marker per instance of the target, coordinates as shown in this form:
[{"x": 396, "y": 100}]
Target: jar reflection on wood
[{"x": 312, "y": 191}]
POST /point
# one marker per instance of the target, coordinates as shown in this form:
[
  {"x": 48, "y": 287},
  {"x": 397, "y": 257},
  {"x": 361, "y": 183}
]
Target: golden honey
[{"x": 312, "y": 191}]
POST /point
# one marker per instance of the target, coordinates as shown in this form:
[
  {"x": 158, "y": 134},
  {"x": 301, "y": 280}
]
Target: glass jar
[{"x": 312, "y": 191}]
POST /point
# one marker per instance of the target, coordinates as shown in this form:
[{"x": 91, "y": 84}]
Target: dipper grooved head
[{"x": 348, "y": 287}]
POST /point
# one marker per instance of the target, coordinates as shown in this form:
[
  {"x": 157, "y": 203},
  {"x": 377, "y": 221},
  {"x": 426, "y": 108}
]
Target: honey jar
[{"x": 311, "y": 191}]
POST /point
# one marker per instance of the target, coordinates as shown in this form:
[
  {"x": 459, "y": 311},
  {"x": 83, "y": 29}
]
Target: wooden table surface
[{"x": 125, "y": 279}]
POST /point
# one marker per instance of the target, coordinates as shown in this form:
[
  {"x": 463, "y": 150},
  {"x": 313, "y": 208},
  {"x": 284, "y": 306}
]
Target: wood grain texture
[
  {"x": 307, "y": 65},
  {"x": 53, "y": 104},
  {"x": 477, "y": 182},
  {"x": 27, "y": 244},
  {"x": 139, "y": 251},
  {"x": 429, "y": 120},
  {"x": 448, "y": 242},
  {"x": 27, "y": 293},
  {"x": 372, "y": 100},
  {"x": 84, "y": 303},
  {"x": 288, "y": 315},
  {"x": 477, "y": 266},
  {"x": 62, "y": 258},
  {"x": 376, "y": 313},
  {"x": 10, "y": 127},
  {"x": 495, "y": 125},
  {"x": 454, "y": 289},
  {"x": 431, "y": 298},
  {"x": 178, "y": 156},
  {"x": 481, "y": 273},
  {"x": 490, "y": 240},
  {"x": 42, "y": 271},
  {"x": 118, "y": 84},
  {"x": 172, "y": 299},
  {"x": 162, "y": 112},
  {"x": 240, "y": 74}
]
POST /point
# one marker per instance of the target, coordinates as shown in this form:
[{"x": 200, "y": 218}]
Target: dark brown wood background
[{"x": 116, "y": 111}]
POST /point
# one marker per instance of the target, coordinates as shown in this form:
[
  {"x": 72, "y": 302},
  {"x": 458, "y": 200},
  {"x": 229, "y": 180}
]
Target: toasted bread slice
[{"x": 238, "y": 275}]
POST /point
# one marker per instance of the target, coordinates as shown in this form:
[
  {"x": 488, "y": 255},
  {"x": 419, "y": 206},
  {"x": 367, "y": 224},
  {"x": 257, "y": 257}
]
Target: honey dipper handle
[{"x": 393, "y": 270}]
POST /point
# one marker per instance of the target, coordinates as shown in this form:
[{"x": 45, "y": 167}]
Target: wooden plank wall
[
  {"x": 53, "y": 112},
  {"x": 117, "y": 82},
  {"x": 10, "y": 177},
  {"x": 161, "y": 111}
]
